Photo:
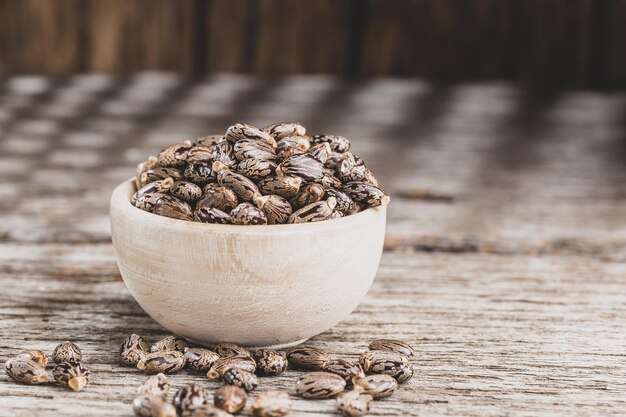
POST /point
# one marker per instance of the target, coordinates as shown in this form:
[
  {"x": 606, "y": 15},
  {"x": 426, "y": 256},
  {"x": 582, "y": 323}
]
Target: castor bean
[
  {"x": 307, "y": 357},
  {"x": 243, "y": 362},
  {"x": 160, "y": 173},
  {"x": 242, "y": 131},
  {"x": 348, "y": 370},
  {"x": 133, "y": 349},
  {"x": 190, "y": 396},
  {"x": 242, "y": 186},
  {"x": 34, "y": 355},
  {"x": 206, "y": 410},
  {"x": 321, "y": 152},
  {"x": 199, "y": 173},
  {"x": 241, "y": 378},
  {"x": 354, "y": 403},
  {"x": 345, "y": 204},
  {"x": 166, "y": 362},
  {"x": 388, "y": 363},
  {"x": 292, "y": 145},
  {"x": 156, "y": 187},
  {"x": 377, "y": 385},
  {"x": 337, "y": 143},
  {"x": 26, "y": 371},
  {"x": 392, "y": 345},
  {"x": 284, "y": 129},
  {"x": 174, "y": 155},
  {"x": 286, "y": 187},
  {"x": 200, "y": 153},
  {"x": 143, "y": 167},
  {"x": 256, "y": 169},
  {"x": 72, "y": 375},
  {"x": 152, "y": 406},
  {"x": 200, "y": 359},
  {"x": 186, "y": 191},
  {"x": 319, "y": 385},
  {"x": 67, "y": 352},
  {"x": 170, "y": 206},
  {"x": 366, "y": 193},
  {"x": 230, "y": 398},
  {"x": 246, "y": 213},
  {"x": 224, "y": 153},
  {"x": 315, "y": 212},
  {"x": 276, "y": 208},
  {"x": 169, "y": 343},
  {"x": 254, "y": 149},
  {"x": 208, "y": 140},
  {"x": 301, "y": 165},
  {"x": 211, "y": 215},
  {"x": 226, "y": 350},
  {"x": 216, "y": 196},
  {"x": 271, "y": 404},
  {"x": 157, "y": 385},
  {"x": 308, "y": 194},
  {"x": 269, "y": 362}
]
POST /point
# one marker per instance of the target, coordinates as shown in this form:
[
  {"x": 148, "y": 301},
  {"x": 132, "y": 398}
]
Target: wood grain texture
[{"x": 505, "y": 251}]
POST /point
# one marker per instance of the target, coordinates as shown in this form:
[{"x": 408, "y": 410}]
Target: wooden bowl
[{"x": 251, "y": 285}]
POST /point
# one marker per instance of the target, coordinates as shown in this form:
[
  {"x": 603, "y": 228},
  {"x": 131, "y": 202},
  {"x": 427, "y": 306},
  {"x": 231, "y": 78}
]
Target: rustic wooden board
[{"x": 505, "y": 253}]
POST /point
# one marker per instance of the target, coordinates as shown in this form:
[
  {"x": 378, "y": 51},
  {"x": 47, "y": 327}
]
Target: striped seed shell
[
  {"x": 315, "y": 212},
  {"x": 242, "y": 186},
  {"x": 354, "y": 403},
  {"x": 337, "y": 143},
  {"x": 366, "y": 193},
  {"x": 243, "y": 131},
  {"x": 133, "y": 349},
  {"x": 169, "y": 343},
  {"x": 67, "y": 352},
  {"x": 200, "y": 153},
  {"x": 186, "y": 191},
  {"x": 359, "y": 173},
  {"x": 206, "y": 410},
  {"x": 26, "y": 371},
  {"x": 321, "y": 151},
  {"x": 345, "y": 204},
  {"x": 223, "y": 152},
  {"x": 71, "y": 375},
  {"x": 174, "y": 155},
  {"x": 165, "y": 362},
  {"x": 200, "y": 359},
  {"x": 301, "y": 165},
  {"x": 276, "y": 208},
  {"x": 348, "y": 370},
  {"x": 334, "y": 160},
  {"x": 170, "y": 206},
  {"x": 211, "y": 215},
  {"x": 143, "y": 167},
  {"x": 230, "y": 398},
  {"x": 152, "y": 406},
  {"x": 330, "y": 181},
  {"x": 308, "y": 357},
  {"x": 392, "y": 345},
  {"x": 219, "y": 197},
  {"x": 253, "y": 149},
  {"x": 347, "y": 163},
  {"x": 34, "y": 355},
  {"x": 309, "y": 194},
  {"x": 199, "y": 172},
  {"x": 284, "y": 129},
  {"x": 145, "y": 195},
  {"x": 190, "y": 396},
  {"x": 269, "y": 362},
  {"x": 285, "y": 187},
  {"x": 388, "y": 363},
  {"x": 157, "y": 385},
  {"x": 208, "y": 140},
  {"x": 377, "y": 385},
  {"x": 319, "y": 385},
  {"x": 243, "y": 379},
  {"x": 243, "y": 362},
  {"x": 256, "y": 169},
  {"x": 292, "y": 145},
  {"x": 160, "y": 173},
  {"x": 247, "y": 214},
  {"x": 271, "y": 404},
  {"x": 336, "y": 215},
  {"x": 226, "y": 350}
]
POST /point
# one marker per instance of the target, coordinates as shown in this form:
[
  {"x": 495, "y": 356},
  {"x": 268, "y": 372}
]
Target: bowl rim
[{"x": 120, "y": 198}]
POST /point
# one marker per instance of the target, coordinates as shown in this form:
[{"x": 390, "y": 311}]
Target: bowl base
[{"x": 273, "y": 347}]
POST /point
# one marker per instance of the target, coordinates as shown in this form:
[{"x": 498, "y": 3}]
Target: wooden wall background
[{"x": 579, "y": 43}]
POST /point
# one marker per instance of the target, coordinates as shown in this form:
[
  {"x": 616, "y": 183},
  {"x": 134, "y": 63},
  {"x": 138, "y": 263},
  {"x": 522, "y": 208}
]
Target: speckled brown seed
[
  {"x": 377, "y": 385},
  {"x": 271, "y": 404},
  {"x": 392, "y": 345},
  {"x": 190, "y": 396},
  {"x": 26, "y": 371},
  {"x": 152, "y": 406},
  {"x": 348, "y": 370},
  {"x": 208, "y": 140},
  {"x": 388, "y": 363},
  {"x": 366, "y": 193},
  {"x": 345, "y": 204},
  {"x": 160, "y": 173},
  {"x": 230, "y": 398},
  {"x": 186, "y": 191},
  {"x": 166, "y": 362},
  {"x": 243, "y": 379},
  {"x": 276, "y": 208},
  {"x": 354, "y": 404},
  {"x": 253, "y": 149},
  {"x": 242, "y": 186},
  {"x": 206, "y": 410},
  {"x": 301, "y": 165},
  {"x": 284, "y": 129},
  {"x": 358, "y": 172},
  {"x": 224, "y": 153},
  {"x": 170, "y": 206},
  {"x": 34, "y": 355},
  {"x": 174, "y": 155},
  {"x": 199, "y": 173},
  {"x": 319, "y": 385},
  {"x": 211, "y": 215},
  {"x": 308, "y": 194},
  {"x": 307, "y": 357},
  {"x": 337, "y": 143},
  {"x": 73, "y": 376},
  {"x": 67, "y": 352},
  {"x": 247, "y": 214},
  {"x": 133, "y": 349},
  {"x": 142, "y": 167},
  {"x": 292, "y": 145},
  {"x": 315, "y": 212},
  {"x": 286, "y": 186},
  {"x": 321, "y": 151},
  {"x": 256, "y": 169},
  {"x": 157, "y": 385},
  {"x": 269, "y": 362},
  {"x": 226, "y": 350},
  {"x": 200, "y": 359},
  {"x": 169, "y": 343},
  {"x": 330, "y": 181},
  {"x": 243, "y": 362},
  {"x": 144, "y": 197},
  {"x": 200, "y": 153},
  {"x": 219, "y": 197},
  {"x": 243, "y": 131}
]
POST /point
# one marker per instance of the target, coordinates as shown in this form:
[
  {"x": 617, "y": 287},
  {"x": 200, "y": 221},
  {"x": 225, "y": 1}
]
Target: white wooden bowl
[{"x": 251, "y": 285}]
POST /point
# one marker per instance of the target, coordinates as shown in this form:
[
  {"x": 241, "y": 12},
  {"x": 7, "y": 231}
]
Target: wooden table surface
[{"x": 505, "y": 257}]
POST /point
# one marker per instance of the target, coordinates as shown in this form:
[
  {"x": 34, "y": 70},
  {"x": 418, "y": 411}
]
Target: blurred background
[{"x": 544, "y": 43}]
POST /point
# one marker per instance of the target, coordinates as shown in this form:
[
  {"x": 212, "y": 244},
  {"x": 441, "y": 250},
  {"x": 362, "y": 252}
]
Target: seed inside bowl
[{"x": 274, "y": 175}]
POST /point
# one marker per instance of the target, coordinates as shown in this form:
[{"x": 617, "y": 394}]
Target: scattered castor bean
[
  {"x": 377, "y": 385},
  {"x": 243, "y": 362},
  {"x": 206, "y": 410},
  {"x": 240, "y": 378},
  {"x": 354, "y": 403},
  {"x": 152, "y": 406},
  {"x": 348, "y": 370},
  {"x": 226, "y": 350},
  {"x": 190, "y": 396},
  {"x": 67, "y": 352},
  {"x": 319, "y": 385},
  {"x": 26, "y": 371},
  {"x": 169, "y": 343},
  {"x": 71, "y": 375},
  {"x": 392, "y": 345},
  {"x": 166, "y": 362},
  {"x": 34, "y": 355},
  {"x": 133, "y": 349},
  {"x": 157, "y": 385},
  {"x": 388, "y": 363},
  {"x": 308, "y": 357},
  {"x": 269, "y": 362},
  {"x": 271, "y": 404},
  {"x": 230, "y": 398},
  {"x": 200, "y": 359}
]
